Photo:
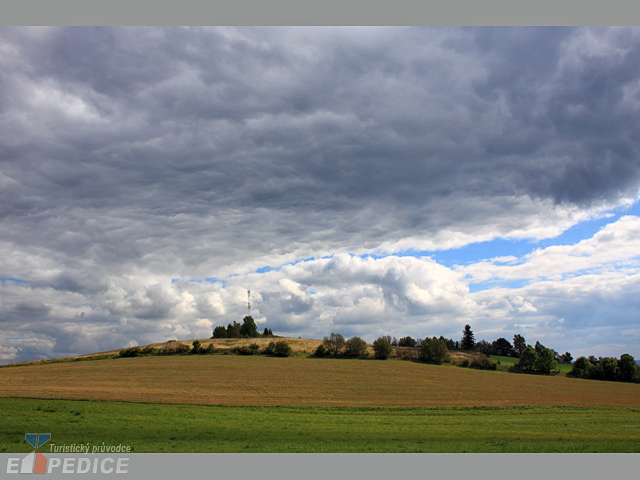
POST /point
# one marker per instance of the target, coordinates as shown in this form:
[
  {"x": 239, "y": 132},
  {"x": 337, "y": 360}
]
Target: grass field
[
  {"x": 229, "y": 403},
  {"x": 198, "y": 428}
]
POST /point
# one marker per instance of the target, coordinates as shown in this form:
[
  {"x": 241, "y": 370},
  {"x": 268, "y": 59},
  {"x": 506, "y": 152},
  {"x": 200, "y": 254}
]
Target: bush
[
  {"x": 174, "y": 348},
  {"x": 130, "y": 352},
  {"x": 210, "y": 349},
  {"x": 250, "y": 350},
  {"x": 282, "y": 349},
  {"x": 483, "y": 363},
  {"x": 407, "y": 353},
  {"x": 434, "y": 351},
  {"x": 321, "y": 351},
  {"x": 196, "y": 347},
  {"x": 148, "y": 350},
  {"x": 356, "y": 347},
  {"x": 382, "y": 348},
  {"x": 464, "y": 363},
  {"x": 270, "y": 350}
]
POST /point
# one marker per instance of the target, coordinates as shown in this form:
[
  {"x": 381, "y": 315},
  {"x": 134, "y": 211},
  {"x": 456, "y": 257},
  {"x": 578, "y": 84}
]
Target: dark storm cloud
[
  {"x": 187, "y": 121},
  {"x": 129, "y": 156}
]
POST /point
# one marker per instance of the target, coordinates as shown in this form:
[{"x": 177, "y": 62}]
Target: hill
[{"x": 260, "y": 380}]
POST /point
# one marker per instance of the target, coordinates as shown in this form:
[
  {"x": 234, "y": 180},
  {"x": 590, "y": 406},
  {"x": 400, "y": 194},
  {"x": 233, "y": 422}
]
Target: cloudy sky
[{"x": 365, "y": 181}]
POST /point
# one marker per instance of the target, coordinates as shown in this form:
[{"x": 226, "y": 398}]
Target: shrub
[
  {"x": 483, "y": 363},
  {"x": 174, "y": 348},
  {"x": 382, "y": 348},
  {"x": 196, "y": 346},
  {"x": 434, "y": 350},
  {"x": 270, "y": 350},
  {"x": 282, "y": 349},
  {"x": 250, "y": 350},
  {"x": 356, "y": 347},
  {"x": 464, "y": 363},
  {"x": 130, "y": 352},
  {"x": 407, "y": 353},
  {"x": 210, "y": 349},
  {"x": 148, "y": 350},
  {"x": 321, "y": 351}
]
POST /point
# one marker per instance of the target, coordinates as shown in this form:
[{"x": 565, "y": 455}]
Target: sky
[{"x": 363, "y": 181}]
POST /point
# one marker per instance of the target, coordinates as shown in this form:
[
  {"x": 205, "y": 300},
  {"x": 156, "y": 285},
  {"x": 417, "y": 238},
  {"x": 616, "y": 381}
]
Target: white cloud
[{"x": 616, "y": 245}]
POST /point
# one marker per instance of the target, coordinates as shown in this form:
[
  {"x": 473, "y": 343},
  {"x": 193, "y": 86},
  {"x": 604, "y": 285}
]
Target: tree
[
  {"x": 334, "y": 343},
  {"x": 546, "y": 362},
  {"x": 434, "y": 350},
  {"x": 581, "y": 368},
  {"x": 451, "y": 345},
  {"x": 609, "y": 368},
  {"x": 382, "y": 348},
  {"x": 468, "y": 340},
  {"x": 248, "y": 327},
  {"x": 356, "y": 347},
  {"x": 502, "y": 347},
  {"x": 484, "y": 347},
  {"x": 628, "y": 368},
  {"x": 266, "y": 332},
  {"x": 519, "y": 344},
  {"x": 321, "y": 351},
  {"x": 566, "y": 357},
  {"x": 233, "y": 331},
  {"x": 219, "y": 332},
  {"x": 539, "y": 347},
  {"x": 406, "y": 342},
  {"x": 528, "y": 360},
  {"x": 196, "y": 346}
]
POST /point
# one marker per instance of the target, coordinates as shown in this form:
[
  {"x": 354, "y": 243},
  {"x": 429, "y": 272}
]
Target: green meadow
[
  {"x": 509, "y": 361},
  {"x": 148, "y": 427}
]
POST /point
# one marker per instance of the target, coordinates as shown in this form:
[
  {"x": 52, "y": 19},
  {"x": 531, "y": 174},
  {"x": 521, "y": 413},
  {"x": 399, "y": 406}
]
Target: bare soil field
[{"x": 300, "y": 381}]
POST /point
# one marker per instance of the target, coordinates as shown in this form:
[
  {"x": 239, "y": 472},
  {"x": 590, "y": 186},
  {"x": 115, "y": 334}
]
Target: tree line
[
  {"x": 246, "y": 329},
  {"x": 531, "y": 359}
]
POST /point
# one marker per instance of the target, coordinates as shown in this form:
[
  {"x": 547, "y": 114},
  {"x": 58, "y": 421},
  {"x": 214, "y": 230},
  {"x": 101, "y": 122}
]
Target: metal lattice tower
[{"x": 249, "y": 302}]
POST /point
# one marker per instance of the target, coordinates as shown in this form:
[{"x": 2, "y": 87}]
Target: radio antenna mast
[{"x": 249, "y": 302}]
